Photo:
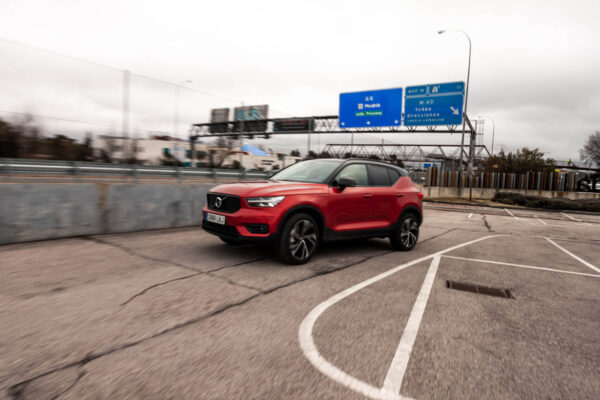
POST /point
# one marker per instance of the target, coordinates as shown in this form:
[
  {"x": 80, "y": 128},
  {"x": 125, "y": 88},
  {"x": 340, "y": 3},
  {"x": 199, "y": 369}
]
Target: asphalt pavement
[{"x": 491, "y": 303}]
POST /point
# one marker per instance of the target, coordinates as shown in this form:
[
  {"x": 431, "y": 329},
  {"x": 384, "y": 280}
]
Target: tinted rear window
[
  {"x": 394, "y": 175},
  {"x": 379, "y": 175}
]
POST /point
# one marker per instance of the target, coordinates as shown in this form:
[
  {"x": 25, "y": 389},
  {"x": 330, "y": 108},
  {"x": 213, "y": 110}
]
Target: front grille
[
  {"x": 229, "y": 203},
  {"x": 218, "y": 229}
]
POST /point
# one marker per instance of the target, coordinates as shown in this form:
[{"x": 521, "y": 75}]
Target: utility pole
[
  {"x": 310, "y": 121},
  {"x": 473, "y": 137},
  {"x": 241, "y": 139},
  {"x": 493, "y": 130},
  {"x": 176, "y": 115},
  {"x": 125, "y": 122}
]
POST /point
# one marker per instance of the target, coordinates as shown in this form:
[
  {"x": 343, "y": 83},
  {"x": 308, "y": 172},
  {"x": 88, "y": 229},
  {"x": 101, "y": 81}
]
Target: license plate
[{"x": 217, "y": 219}]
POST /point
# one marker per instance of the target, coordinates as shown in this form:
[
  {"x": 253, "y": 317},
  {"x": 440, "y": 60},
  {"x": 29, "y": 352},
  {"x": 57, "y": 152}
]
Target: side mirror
[{"x": 343, "y": 183}]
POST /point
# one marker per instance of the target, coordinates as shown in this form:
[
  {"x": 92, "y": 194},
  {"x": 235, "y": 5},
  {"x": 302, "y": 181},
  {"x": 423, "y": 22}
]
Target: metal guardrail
[
  {"x": 19, "y": 167},
  {"x": 11, "y": 166}
]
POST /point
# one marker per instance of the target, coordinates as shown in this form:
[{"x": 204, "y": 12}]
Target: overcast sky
[{"x": 535, "y": 64}]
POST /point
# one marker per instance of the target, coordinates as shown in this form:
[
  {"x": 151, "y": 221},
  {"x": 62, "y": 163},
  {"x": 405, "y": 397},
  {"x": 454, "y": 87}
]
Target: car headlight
[{"x": 264, "y": 201}]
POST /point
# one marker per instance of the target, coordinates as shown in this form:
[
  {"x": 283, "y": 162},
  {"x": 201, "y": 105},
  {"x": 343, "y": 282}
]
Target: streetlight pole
[
  {"x": 462, "y": 141},
  {"x": 473, "y": 134},
  {"x": 493, "y": 129}
]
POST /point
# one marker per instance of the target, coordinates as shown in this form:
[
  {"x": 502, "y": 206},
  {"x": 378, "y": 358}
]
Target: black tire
[
  {"x": 230, "y": 242},
  {"x": 407, "y": 234},
  {"x": 299, "y": 239}
]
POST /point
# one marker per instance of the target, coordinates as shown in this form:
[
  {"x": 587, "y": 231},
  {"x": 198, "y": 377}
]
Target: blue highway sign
[
  {"x": 436, "y": 104},
  {"x": 371, "y": 108}
]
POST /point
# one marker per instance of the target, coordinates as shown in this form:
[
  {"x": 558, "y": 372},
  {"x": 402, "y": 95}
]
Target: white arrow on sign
[{"x": 454, "y": 110}]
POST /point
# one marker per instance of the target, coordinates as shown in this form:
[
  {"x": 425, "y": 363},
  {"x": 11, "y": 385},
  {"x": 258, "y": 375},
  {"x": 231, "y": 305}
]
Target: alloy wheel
[
  {"x": 303, "y": 239},
  {"x": 409, "y": 231}
]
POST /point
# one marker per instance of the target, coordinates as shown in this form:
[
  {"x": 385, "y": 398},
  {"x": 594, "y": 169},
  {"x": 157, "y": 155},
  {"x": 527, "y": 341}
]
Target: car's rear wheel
[
  {"x": 299, "y": 239},
  {"x": 407, "y": 233}
]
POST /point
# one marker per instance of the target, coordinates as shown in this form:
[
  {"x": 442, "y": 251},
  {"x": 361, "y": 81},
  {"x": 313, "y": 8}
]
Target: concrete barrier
[
  {"x": 436, "y": 192},
  {"x": 48, "y": 211},
  {"x": 39, "y": 211}
]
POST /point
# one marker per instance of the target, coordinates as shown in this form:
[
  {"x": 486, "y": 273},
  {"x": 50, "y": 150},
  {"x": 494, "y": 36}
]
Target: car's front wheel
[
  {"x": 299, "y": 239},
  {"x": 407, "y": 233}
]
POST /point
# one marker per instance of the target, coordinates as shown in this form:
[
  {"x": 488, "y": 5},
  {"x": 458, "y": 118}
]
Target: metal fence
[
  {"x": 20, "y": 167},
  {"x": 554, "y": 181}
]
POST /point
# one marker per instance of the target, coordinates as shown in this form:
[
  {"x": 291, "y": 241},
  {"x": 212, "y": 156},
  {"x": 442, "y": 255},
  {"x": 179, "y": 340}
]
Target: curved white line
[{"x": 309, "y": 348}]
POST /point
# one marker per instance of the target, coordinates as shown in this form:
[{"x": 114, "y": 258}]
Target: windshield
[{"x": 314, "y": 171}]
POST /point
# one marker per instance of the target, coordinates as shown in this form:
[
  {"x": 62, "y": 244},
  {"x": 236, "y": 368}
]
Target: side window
[
  {"x": 356, "y": 172},
  {"x": 379, "y": 175},
  {"x": 394, "y": 176}
]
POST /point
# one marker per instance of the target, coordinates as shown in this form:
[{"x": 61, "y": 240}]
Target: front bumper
[{"x": 237, "y": 224}]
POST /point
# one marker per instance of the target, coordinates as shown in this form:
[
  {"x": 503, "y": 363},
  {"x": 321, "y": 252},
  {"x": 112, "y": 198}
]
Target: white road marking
[
  {"x": 581, "y": 260},
  {"x": 568, "y": 216},
  {"x": 512, "y": 215},
  {"x": 309, "y": 348},
  {"x": 470, "y": 215},
  {"x": 523, "y": 266},
  {"x": 536, "y": 217},
  {"x": 395, "y": 375}
]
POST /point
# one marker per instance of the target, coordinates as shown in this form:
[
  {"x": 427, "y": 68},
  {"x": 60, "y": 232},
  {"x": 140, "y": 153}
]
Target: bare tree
[
  {"x": 221, "y": 141},
  {"x": 590, "y": 152}
]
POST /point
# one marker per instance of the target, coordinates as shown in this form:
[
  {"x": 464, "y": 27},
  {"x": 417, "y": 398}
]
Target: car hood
[{"x": 270, "y": 188}]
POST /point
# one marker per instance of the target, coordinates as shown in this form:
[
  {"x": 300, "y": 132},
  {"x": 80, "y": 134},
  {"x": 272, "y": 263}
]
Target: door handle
[
  {"x": 367, "y": 196},
  {"x": 399, "y": 195}
]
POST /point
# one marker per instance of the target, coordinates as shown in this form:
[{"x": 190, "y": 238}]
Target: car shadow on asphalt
[{"x": 341, "y": 247}]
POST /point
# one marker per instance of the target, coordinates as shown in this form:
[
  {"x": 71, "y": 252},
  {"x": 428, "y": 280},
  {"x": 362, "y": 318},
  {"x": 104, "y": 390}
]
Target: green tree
[
  {"x": 295, "y": 153},
  {"x": 519, "y": 161}
]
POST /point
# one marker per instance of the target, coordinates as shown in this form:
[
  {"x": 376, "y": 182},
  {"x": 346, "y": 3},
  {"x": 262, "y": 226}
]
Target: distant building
[
  {"x": 156, "y": 150},
  {"x": 252, "y": 158},
  {"x": 165, "y": 150}
]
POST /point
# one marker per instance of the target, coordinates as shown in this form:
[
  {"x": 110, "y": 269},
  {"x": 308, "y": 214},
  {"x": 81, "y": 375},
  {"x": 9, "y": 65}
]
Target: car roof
[{"x": 402, "y": 171}]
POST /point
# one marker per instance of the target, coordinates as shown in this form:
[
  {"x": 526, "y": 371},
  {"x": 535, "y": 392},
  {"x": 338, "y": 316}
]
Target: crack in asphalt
[
  {"x": 232, "y": 282},
  {"x": 209, "y": 273},
  {"x": 486, "y": 223},
  {"x": 137, "y": 254},
  {"x": 438, "y": 235},
  {"x": 75, "y": 382},
  {"x": 138, "y": 294},
  {"x": 16, "y": 390},
  {"x": 176, "y": 264}
]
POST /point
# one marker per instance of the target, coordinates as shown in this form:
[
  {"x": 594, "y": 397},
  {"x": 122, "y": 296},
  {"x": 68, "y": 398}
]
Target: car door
[
  {"x": 349, "y": 209},
  {"x": 384, "y": 198}
]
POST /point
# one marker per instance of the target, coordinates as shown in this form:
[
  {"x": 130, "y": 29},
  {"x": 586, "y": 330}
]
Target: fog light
[{"x": 257, "y": 228}]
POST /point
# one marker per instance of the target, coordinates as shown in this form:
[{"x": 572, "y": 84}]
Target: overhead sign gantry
[{"x": 377, "y": 111}]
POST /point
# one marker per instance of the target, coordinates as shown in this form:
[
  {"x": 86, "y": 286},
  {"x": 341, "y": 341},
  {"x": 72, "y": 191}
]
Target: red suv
[{"x": 314, "y": 201}]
